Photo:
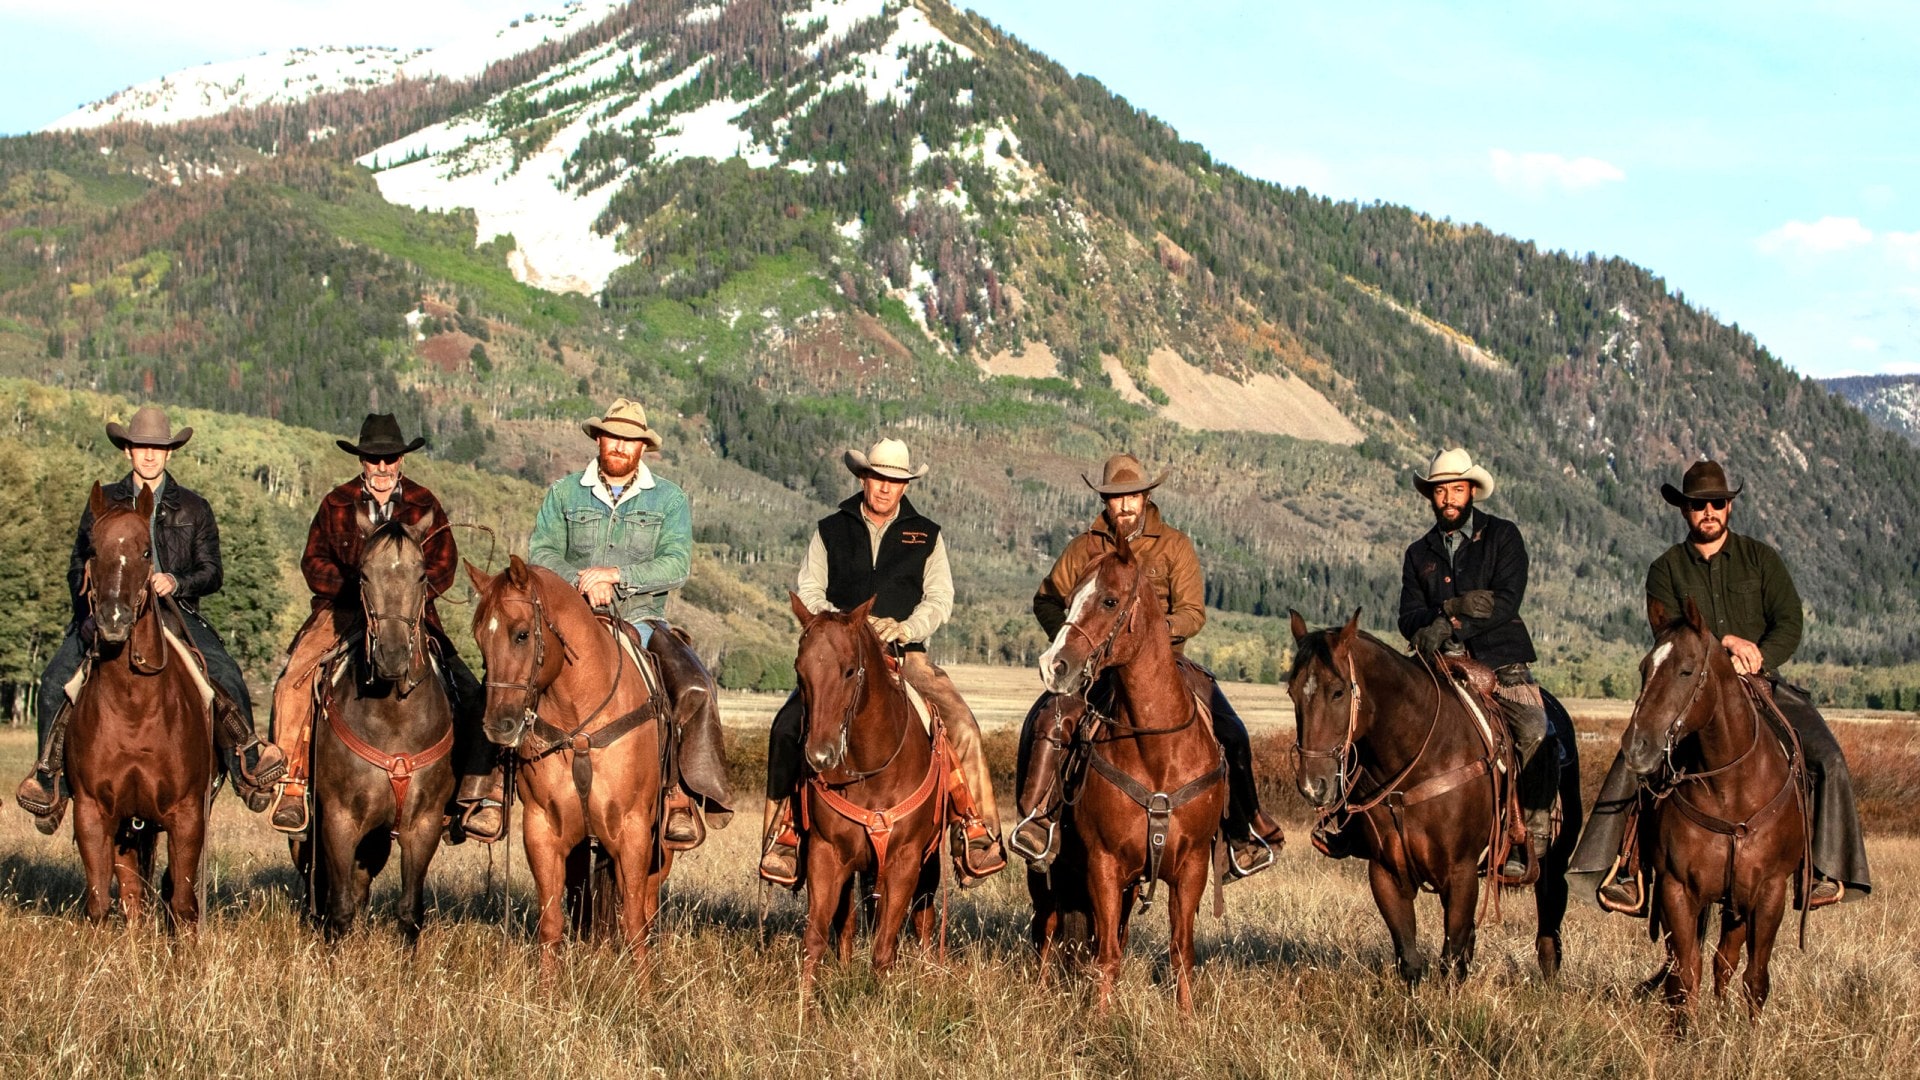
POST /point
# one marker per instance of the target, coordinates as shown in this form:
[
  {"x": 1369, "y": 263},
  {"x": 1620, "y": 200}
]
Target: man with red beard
[{"x": 623, "y": 536}]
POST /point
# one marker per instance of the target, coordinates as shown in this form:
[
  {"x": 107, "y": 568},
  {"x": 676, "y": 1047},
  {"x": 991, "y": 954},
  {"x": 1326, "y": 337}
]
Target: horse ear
[
  {"x": 362, "y": 518},
  {"x": 799, "y": 609},
  {"x": 143, "y": 503},
  {"x": 1657, "y": 615},
  {"x": 1299, "y": 624},
  {"x": 417, "y": 530},
  {"x": 865, "y": 611},
  {"x": 1352, "y": 627},
  {"x": 478, "y": 577},
  {"x": 518, "y": 573},
  {"x": 1123, "y": 548},
  {"x": 97, "y": 502},
  {"x": 1694, "y": 618}
]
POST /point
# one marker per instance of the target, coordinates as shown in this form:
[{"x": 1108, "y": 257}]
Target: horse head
[
  {"x": 520, "y": 647},
  {"x": 393, "y": 595},
  {"x": 1673, "y": 678},
  {"x": 838, "y": 651},
  {"x": 1102, "y": 615},
  {"x": 119, "y": 576},
  {"x": 1325, "y": 688}
]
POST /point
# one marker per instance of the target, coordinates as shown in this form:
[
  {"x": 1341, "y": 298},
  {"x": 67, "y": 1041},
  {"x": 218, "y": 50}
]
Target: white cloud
[
  {"x": 1809, "y": 237},
  {"x": 1534, "y": 172},
  {"x": 1903, "y": 248},
  {"x": 1863, "y": 344},
  {"x": 1900, "y": 367}
]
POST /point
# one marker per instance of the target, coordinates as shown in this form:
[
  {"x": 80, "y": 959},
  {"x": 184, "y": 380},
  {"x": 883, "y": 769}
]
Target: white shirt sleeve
[
  {"x": 812, "y": 586},
  {"x": 936, "y": 595}
]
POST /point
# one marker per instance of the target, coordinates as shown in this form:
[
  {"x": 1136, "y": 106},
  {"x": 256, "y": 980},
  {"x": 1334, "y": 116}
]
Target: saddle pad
[
  {"x": 179, "y": 648},
  {"x": 1479, "y": 714},
  {"x": 919, "y": 705}
]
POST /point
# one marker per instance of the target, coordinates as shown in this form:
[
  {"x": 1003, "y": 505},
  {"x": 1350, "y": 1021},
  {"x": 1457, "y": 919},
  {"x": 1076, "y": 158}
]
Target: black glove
[
  {"x": 1477, "y": 604},
  {"x": 1433, "y": 637}
]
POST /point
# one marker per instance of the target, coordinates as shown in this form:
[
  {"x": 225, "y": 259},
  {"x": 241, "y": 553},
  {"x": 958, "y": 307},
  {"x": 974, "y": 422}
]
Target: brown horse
[
  {"x": 140, "y": 756},
  {"x": 1731, "y": 826},
  {"x": 1149, "y": 806},
  {"x": 586, "y": 724},
  {"x": 876, "y": 799},
  {"x": 1384, "y": 743},
  {"x": 381, "y": 770}
]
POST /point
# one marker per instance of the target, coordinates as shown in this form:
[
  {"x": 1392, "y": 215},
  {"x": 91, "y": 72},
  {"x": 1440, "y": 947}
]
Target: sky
[{"x": 1763, "y": 158}]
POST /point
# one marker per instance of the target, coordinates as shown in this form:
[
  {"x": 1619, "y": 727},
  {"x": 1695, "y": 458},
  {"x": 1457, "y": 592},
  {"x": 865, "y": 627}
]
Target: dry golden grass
[{"x": 1294, "y": 982}]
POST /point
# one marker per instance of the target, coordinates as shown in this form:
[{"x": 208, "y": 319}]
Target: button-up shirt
[
  {"x": 936, "y": 582},
  {"x": 646, "y": 533},
  {"x": 1744, "y": 590}
]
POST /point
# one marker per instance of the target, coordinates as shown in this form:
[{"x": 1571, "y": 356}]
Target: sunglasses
[
  {"x": 381, "y": 459},
  {"x": 1697, "y": 505}
]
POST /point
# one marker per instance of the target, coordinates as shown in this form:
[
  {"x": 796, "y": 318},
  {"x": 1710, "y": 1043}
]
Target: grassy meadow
[{"x": 1296, "y": 981}]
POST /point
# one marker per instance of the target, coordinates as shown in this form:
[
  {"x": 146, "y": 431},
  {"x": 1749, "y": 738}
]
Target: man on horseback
[
  {"x": 1461, "y": 586},
  {"x": 624, "y": 537},
  {"x": 1173, "y": 569},
  {"x": 331, "y": 567},
  {"x": 1746, "y": 595},
  {"x": 186, "y": 567},
  {"x": 877, "y": 547}
]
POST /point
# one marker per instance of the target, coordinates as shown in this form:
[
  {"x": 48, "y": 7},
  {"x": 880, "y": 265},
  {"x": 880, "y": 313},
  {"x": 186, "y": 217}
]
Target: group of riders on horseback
[{"x": 622, "y": 537}]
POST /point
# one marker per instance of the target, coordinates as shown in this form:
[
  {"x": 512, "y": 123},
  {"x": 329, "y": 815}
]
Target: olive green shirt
[{"x": 1743, "y": 590}]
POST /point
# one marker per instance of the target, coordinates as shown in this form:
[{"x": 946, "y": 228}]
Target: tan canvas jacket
[{"x": 1173, "y": 572}]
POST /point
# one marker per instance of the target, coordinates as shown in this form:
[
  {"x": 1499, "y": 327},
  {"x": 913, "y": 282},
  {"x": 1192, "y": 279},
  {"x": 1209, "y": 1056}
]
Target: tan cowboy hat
[
  {"x": 888, "y": 458},
  {"x": 149, "y": 427},
  {"x": 1450, "y": 465},
  {"x": 1704, "y": 480},
  {"x": 380, "y": 437},
  {"x": 1123, "y": 475},
  {"x": 625, "y": 419}
]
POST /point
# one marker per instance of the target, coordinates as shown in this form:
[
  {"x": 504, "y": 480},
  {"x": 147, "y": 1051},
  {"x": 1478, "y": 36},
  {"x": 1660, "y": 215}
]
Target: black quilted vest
[{"x": 894, "y": 580}]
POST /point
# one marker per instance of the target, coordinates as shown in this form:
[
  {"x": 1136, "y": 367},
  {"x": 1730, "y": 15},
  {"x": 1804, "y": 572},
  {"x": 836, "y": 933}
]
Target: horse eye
[
  {"x": 1110, "y": 602},
  {"x": 1686, "y": 673},
  {"x": 520, "y": 638},
  {"x": 1338, "y": 694}
]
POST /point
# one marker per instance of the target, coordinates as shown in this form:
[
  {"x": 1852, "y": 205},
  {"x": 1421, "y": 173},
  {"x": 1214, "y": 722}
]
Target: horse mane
[{"x": 1319, "y": 644}]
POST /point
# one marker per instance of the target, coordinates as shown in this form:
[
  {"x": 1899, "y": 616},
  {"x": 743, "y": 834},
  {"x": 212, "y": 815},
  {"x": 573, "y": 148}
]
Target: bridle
[
  {"x": 1677, "y": 730},
  {"x": 532, "y": 687},
  {"x": 372, "y": 619},
  {"x": 856, "y": 684},
  {"x": 1345, "y": 754}
]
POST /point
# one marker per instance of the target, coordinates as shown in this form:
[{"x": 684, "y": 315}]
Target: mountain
[
  {"x": 1892, "y": 401},
  {"x": 791, "y": 225}
]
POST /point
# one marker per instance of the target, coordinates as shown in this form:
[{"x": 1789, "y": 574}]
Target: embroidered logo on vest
[{"x": 908, "y": 536}]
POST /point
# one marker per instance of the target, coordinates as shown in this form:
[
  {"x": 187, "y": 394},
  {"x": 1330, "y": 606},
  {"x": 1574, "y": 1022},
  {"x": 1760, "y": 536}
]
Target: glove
[
  {"x": 897, "y": 634},
  {"x": 1477, "y": 604},
  {"x": 1433, "y": 637},
  {"x": 889, "y": 631}
]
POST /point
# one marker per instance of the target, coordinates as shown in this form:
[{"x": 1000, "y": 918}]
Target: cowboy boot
[
  {"x": 253, "y": 765},
  {"x": 1333, "y": 838},
  {"x": 44, "y": 792},
  {"x": 290, "y": 810},
  {"x": 480, "y": 809},
  {"x": 780, "y": 852},
  {"x": 1254, "y": 848},
  {"x": 683, "y": 830}
]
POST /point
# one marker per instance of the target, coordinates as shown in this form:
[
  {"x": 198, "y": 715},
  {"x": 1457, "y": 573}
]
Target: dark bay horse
[
  {"x": 586, "y": 724},
  {"x": 1731, "y": 824},
  {"x": 381, "y": 765},
  {"x": 1150, "y": 804},
  {"x": 140, "y": 756},
  {"x": 875, "y": 802},
  {"x": 1382, "y": 738}
]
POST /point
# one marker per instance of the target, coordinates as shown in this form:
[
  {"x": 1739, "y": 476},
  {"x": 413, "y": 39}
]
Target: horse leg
[
  {"x": 132, "y": 866},
  {"x": 633, "y": 866},
  {"x": 1458, "y": 898},
  {"x": 1550, "y": 909},
  {"x": 896, "y": 883},
  {"x": 828, "y": 889},
  {"x": 1734, "y": 926},
  {"x": 1768, "y": 909},
  {"x": 1681, "y": 916},
  {"x": 1394, "y": 898},
  {"x": 856, "y": 896},
  {"x": 418, "y": 842},
  {"x": 93, "y": 835},
  {"x": 1103, "y": 882},
  {"x": 1184, "y": 891},
  {"x": 186, "y": 838},
  {"x": 547, "y": 860},
  {"x": 1045, "y": 923}
]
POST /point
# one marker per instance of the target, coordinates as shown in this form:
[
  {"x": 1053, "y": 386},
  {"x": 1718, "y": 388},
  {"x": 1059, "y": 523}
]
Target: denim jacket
[{"x": 647, "y": 534}]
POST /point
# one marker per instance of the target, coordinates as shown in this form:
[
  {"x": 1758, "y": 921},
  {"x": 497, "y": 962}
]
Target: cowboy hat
[
  {"x": 887, "y": 458},
  {"x": 1123, "y": 475},
  {"x": 625, "y": 419},
  {"x": 1450, "y": 465},
  {"x": 1704, "y": 480},
  {"x": 380, "y": 437},
  {"x": 149, "y": 427}
]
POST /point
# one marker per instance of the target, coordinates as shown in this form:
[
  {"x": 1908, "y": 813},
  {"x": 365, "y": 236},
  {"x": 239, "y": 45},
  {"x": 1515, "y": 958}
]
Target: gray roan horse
[{"x": 381, "y": 765}]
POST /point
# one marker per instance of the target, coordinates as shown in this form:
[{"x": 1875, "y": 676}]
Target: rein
[{"x": 413, "y": 623}]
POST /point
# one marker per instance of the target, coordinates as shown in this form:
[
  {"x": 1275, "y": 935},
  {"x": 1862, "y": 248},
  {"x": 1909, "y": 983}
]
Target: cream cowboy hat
[
  {"x": 1123, "y": 475},
  {"x": 149, "y": 427},
  {"x": 1455, "y": 464},
  {"x": 625, "y": 419},
  {"x": 887, "y": 458}
]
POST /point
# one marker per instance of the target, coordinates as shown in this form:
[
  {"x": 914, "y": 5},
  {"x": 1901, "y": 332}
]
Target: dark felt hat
[
  {"x": 380, "y": 437},
  {"x": 1705, "y": 480}
]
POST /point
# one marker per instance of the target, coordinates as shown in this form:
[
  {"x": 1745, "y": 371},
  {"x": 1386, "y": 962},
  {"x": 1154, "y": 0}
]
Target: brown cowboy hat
[
  {"x": 887, "y": 458},
  {"x": 1123, "y": 475},
  {"x": 1450, "y": 465},
  {"x": 625, "y": 419},
  {"x": 149, "y": 427},
  {"x": 380, "y": 437},
  {"x": 1704, "y": 480}
]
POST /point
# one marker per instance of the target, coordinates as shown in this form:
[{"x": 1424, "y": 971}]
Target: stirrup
[
  {"x": 682, "y": 809},
  {"x": 1267, "y": 856},
  {"x": 1815, "y": 901},
  {"x": 1038, "y": 859},
  {"x": 291, "y": 794},
  {"x": 993, "y": 859},
  {"x": 1632, "y": 898},
  {"x": 769, "y": 873}
]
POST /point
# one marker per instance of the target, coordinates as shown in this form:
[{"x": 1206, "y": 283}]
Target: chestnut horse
[
  {"x": 1149, "y": 806},
  {"x": 586, "y": 724},
  {"x": 1731, "y": 823},
  {"x": 874, "y": 805},
  {"x": 381, "y": 770},
  {"x": 140, "y": 756},
  {"x": 1381, "y": 739}
]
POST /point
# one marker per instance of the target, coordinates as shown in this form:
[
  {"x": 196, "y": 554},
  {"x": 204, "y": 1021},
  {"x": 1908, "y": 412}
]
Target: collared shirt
[
  {"x": 378, "y": 512},
  {"x": 1457, "y": 539},
  {"x": 646, "y": 534},
  {"x": 936, "y": 581},
  {"x": 1744, "y": 590}
]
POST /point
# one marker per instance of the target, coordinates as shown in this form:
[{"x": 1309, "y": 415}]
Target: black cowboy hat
[
  {"x": 1705, "y": 480},
  {"x": 380, "y": 437}
]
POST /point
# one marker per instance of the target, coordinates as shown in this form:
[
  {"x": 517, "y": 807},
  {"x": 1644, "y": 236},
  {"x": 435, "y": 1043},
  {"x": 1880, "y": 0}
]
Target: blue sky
[{"x": 1761, "y": 157}]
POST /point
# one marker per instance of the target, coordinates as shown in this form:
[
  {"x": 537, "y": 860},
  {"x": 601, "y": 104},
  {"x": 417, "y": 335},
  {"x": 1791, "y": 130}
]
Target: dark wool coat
[{"x": 1493, "y": 558}]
